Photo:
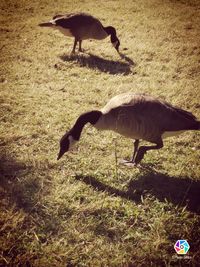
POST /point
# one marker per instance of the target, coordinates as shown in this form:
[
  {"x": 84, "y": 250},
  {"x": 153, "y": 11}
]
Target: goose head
[
  {"x": 66, "y": 143},
  {"x": 73, "y": 136},
  {"x": 113, "y": 37},
  {"x": 116, "y": 44}
]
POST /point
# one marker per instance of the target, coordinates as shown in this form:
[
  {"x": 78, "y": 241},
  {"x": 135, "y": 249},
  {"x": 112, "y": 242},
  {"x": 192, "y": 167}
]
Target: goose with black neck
[
  {"x": 82, "y": 26},
  {"x": 136, "y": 116}
]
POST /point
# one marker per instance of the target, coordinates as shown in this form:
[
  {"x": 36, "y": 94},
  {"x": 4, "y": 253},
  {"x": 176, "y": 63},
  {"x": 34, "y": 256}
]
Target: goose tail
[
  {"x": 196, "y": 126},
  {"x": 46, "y": 24}
]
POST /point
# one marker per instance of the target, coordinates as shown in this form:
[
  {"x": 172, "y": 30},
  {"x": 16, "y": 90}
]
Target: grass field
[{"x": 87, "y": 209}]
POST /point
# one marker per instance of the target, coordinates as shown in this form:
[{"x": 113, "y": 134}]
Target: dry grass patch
[{"x": 88, "y": 210}]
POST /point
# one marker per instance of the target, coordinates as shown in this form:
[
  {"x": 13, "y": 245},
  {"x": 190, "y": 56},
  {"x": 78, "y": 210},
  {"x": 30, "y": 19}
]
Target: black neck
[
  {"x": 112, "y": 32},
  {"x": 91, "y": 117}
]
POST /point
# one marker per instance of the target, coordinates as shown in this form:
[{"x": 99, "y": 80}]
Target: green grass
[{"x": 87, "y": 209}]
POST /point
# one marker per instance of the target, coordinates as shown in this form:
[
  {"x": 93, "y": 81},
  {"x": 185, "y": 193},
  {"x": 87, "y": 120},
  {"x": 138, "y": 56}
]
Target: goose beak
[{"x": 60, "y": 154}]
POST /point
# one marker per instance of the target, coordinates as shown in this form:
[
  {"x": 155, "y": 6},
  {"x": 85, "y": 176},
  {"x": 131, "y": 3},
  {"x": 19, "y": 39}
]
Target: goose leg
[
  {"x": 135, "y": 144},
  {"x": 80, "y": 49},
  {"x": 131, "y": 162},
  {"x": 74, "y": 47},
  {"x": 143, "y": 149}
]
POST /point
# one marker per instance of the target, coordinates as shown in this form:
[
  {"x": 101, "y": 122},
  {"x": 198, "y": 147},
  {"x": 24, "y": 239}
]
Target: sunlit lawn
[{"x": 87, "y": 209}]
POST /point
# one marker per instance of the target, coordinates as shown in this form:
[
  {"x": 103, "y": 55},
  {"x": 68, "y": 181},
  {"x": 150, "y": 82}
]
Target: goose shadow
[
  {"x": 180, "y": 191},
  {"x": 104, "y": 65},
  {"x": 9, "y": 169},
  {"x": 23, "y": 192},
  {"x": 127, "y": 59}
]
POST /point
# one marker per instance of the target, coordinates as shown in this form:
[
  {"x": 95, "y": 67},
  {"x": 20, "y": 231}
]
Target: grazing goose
[
  {"x": 82, "y": 26},
  {"x": 136, "y": 116}
]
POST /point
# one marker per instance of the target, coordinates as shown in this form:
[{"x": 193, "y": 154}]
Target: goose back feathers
[
  {"x": 140, "y": 116},
  {"x": 135, "y": 116},
  {"x": 78, "y": 23}
]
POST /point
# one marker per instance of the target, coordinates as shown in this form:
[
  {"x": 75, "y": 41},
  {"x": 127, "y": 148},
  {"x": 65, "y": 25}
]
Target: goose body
[
  {"x": 140, "y": 116},
  {"x": 136, "y": 116},
  {"x": 82, "y": 26}
]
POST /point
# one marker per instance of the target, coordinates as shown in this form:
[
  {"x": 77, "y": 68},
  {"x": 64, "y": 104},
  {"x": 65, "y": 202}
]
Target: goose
[
  {"x": 136, "y": 116},
  {"x": 82, "y": 26}
]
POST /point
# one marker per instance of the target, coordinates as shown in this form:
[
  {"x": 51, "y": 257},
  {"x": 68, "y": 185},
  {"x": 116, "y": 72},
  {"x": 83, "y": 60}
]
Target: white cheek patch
[
  {"x": 72, "y": 142},
  {"x": 115, "y": 43}
]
